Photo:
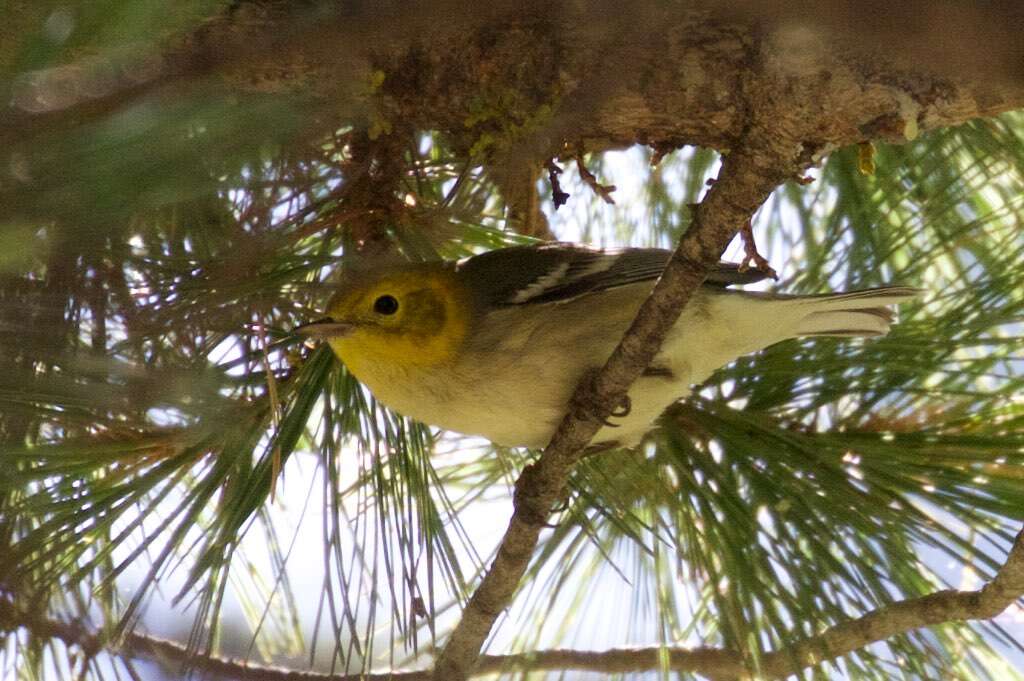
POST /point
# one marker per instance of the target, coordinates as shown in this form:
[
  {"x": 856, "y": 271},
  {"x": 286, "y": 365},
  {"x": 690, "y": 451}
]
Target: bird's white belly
[{"x": 526, "y": 405}]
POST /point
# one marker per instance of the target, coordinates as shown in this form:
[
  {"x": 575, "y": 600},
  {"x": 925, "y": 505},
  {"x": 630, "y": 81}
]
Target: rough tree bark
[{"x": 528, "y": 78}]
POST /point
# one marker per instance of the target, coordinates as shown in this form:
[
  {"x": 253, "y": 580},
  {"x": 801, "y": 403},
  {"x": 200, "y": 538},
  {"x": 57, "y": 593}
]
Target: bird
[{"x": 494, "y": 345}]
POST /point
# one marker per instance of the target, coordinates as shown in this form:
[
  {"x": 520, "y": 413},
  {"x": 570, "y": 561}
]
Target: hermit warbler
[{"x": 495, "y": 344}]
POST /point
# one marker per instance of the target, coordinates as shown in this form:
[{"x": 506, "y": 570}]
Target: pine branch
[
  {"x": 172, "y": 654},
  {"x": 715, "y": 663},
  {"x": 942, "y": 606},
  {"x": 745, "y": 182}
]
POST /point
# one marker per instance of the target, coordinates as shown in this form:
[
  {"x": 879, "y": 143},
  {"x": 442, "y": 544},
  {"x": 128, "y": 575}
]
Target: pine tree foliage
[{"x": 156, "y": 412}]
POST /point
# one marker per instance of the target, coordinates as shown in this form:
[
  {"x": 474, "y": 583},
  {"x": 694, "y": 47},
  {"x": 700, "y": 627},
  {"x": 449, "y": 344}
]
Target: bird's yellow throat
[{"x": 429, "y": 326}]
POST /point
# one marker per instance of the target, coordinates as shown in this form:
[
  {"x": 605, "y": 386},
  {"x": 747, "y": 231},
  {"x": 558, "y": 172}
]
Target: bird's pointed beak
[{"x": 324, "y": 328}]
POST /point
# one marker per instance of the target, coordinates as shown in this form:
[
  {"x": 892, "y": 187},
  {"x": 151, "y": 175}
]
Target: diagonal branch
[
  {"x": 903, "y": 616},
  {"x": 745, "y": 182}
]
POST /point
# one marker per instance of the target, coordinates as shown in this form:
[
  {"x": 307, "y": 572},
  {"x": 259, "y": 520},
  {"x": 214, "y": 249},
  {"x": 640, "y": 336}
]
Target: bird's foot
[{"x": 592, "y": 412}]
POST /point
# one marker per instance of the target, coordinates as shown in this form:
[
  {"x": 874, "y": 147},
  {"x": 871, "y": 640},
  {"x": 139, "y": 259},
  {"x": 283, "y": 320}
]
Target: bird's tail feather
[
  {"x": 736, "y": 323},
  {"x": 853, "y": 314}
]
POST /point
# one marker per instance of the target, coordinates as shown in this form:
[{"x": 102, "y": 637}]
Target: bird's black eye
[{"x": 385, "y": 305}]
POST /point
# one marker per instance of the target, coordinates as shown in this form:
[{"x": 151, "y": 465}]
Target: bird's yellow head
[{"x": 411, "y": 316}]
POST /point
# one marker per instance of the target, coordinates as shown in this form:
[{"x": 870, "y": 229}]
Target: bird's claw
[
  {"x": 590, "y": 411},
  {"x": 623, "y": 409},
  {"x": 560, "y": 507}
]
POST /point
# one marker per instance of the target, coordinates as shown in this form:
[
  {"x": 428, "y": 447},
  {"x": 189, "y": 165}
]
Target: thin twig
[
  {"x": 715, "y": 663},
  {"x": 602, "y": 190},
  {"x": 903, "y": 616},
  {"x": 750, "y": 254},
  {"x": 745, "y": 182}
]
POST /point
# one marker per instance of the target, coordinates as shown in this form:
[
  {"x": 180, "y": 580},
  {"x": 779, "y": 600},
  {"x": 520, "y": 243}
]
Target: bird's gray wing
[{"x": 552, "y": 273}]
